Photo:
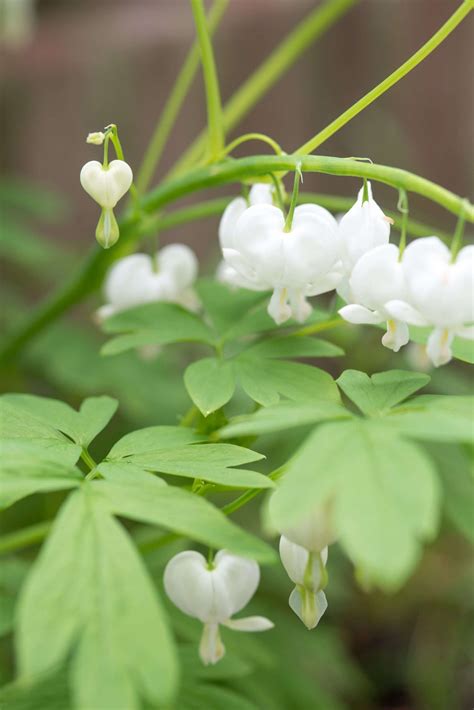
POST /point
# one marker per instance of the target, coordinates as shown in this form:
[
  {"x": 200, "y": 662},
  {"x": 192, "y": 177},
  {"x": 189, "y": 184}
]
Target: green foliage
[
  {"x": 375, "y": 395},
  {"x": 94, "y": 592},
  {"x": 210, "y": 383}
]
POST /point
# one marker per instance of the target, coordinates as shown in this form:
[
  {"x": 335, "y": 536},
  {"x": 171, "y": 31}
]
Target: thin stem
[
  {"x": 252, "y": 137},
  {"x": 458, "y": 235},
  {"x": 456, "y": 18},
  {"x": 294, "y": 198},
  {"x": 279, "y": 191},
  {"x": 403, "y": 208},
  {"x": 190, "y": 416},
  {"x": 174, "y": 103},
  {"x": 213, "y": 98},
  {"x": 24, "y": 538},
  {"x": 250, "y": 494},
  {"x": 88, "y": 460},
  {"x": 313, "y": 26},
  {"x": 319, "y": 327}
]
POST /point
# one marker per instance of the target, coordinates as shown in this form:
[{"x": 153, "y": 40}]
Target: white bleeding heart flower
[
  {"x": 377, "y": 278},
  {"x": 307, "y": 570},
  {"x": 106, "y": 185},
  {"x": 440, "y": 293},
  {"x": 301, "y": 262},
  {"x": 361, "y": 229},
  {"x": 315, "y": 531},
  {"x": 139, "y": 279},
  {"x": 213, "y": 593}
]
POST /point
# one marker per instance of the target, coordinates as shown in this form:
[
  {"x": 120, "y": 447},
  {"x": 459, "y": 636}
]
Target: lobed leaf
[
  {"x": 375, "y": 395},
  {"x": 210, "y": 383}
]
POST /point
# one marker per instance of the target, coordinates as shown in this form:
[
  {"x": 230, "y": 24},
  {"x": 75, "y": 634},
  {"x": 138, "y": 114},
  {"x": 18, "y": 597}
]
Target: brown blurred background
[{"x": 85, "y": 64}]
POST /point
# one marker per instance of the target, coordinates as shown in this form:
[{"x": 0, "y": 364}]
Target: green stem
[
  {"x": 189, "y": 417},
  {"x": 173, "y": 105},
  {"x": 250, "y": 494},
  {"x": 456, "y": 18},
  {"x": 403, "y": 208},
  {"x": 88, "y": 460},
  {"x": 319, "y": 327},
  {"x": 213, "y": 98},
  {"x": 275, "y": 65},
  {"x": 252, "y": 137},
  {"x": 90, "y": 274},
  {"x": 294, "y": 197},
  {"x": 24, "y": 538},
  {"x": 458, "y": 235}
]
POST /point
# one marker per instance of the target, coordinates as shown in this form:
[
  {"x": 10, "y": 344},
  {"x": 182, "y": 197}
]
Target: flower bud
[
  {"x": 96, "y": 138},
  {"x": 314, "y": 532}
]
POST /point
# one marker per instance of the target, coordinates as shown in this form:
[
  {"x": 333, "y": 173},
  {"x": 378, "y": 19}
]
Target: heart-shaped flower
[
  {"x": 439, "y": 293},
  {"x": 377, "y": 278},
  {"x": 212, "y": 593},
  {"x": 361, "y": 229},
  {"x": 315, "y": 531},
  {"x": 301, "y": 262},
  {"x": 139, "y": 279},
  {"x": 106, "y": 185}
]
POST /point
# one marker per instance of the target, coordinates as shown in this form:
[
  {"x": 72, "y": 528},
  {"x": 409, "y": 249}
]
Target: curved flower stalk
[
  {"x": 361, "y": 229},
  {"x": 213, "y": 593},
  {"x": 304, "y": 554},
  {"x": 294, "y": 264},
  {"x": 377, "y": 278},
  {"x": 439, "y": 293},
  {"x": 106, "y": 184},
  {"x": 139, "y": 279}
]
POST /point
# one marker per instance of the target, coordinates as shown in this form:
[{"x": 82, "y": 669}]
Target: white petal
[
  {"x": 259, "y": 240},
  {"x": 403, "y": 311},
  {"x": 278, "y": 307},
  {"x": 244, "y": 274},
  {"x": 261, "y": 194},
  {"x": 309, "y": 607},
  {"x": 295, "y": 560},
  {"x": 237, "y": 580},
  {"x": 396, "y": 336},
  {"x": 211, "y": 648},
  {"x": 326, "y": 283},
  {"x": 131, "y": 281},
  {"x": 106, "y": 185},
  {"x": 311, "y": 248},
  {"x": 300, "y": 308},
  {"x": 359, "y": 314},
  {"x": 250, "y": 623},
  {"x": 180, "y": 263},
  {"x": 314, "y": 531},
  {"x": 189, "y": 584},
  {"x": 438, "y": 347},
  {"x": 378, "y": 277},
  {"x": 228, "y": 221}
]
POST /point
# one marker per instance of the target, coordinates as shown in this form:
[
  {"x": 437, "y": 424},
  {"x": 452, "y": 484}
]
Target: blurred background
[{"x": 68, "y": 68}]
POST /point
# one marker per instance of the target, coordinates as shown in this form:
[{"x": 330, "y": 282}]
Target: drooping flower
[
  {"x": 301, "y": 262},
  {"x": 377, "y": 278},
  {"x": 361, "y": 229},
  {"x": 106, "y": 185},
  {"x": 139, "y": 279},
  {"x": 439, "y": 293},
  {"x": 213, "y": 593},
  {"x": 260, "y": 194},
  {"x": 307, "y": 570}
]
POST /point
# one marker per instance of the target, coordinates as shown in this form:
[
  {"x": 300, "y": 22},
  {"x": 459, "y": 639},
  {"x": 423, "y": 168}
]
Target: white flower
[
  {"x": 377, "y": 278},
  {"x": 106, "y": 185},
  {"x": 139, "y": 279},
  {"x": 361, "y": 229},
  {"x": 295, "y": 264},
  {"x": 307, "y": 570},
  {"x": 313, "y": 532},
  {"x": 213, "y": 593},
  {"x": 440, "y": 293}
]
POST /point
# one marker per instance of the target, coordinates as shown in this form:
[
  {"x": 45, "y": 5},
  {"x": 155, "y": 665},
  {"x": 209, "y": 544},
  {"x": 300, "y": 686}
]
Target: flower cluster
[
  {"x": 168, "y": 276},
  {"x": 424, "y": 287}
]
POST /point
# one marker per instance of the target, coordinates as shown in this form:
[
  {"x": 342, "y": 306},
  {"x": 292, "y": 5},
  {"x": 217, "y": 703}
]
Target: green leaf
[
  {"x": 375, "y": 395},
  {"x": 205, "y": 695},
  {"x": 14, "y": 570},
  {"x": 457, "y": 476},
  {"x": 435, "y": 418},
  {"x": 153, "y": 438},
  {"x": 384, "y": 491},
  {"x": 49, "y": 691},
  {"x": 264, "y": 380},
  {"x": 210, "y": 383},
  {"x": 294, "y": 346},
  {"x": 98, "y": 607},
  {"x": 154, "y": 323},
  {"x": 16, "y": 423},
  {"x": 182, "y": 512},
  {"x": 226, "y": 306},
  {"x": 208, "y": 462},
  {"x": 283, "y": 416},
  {"x": 82, "y": 427},
  {"x": 27, "y": 468}
]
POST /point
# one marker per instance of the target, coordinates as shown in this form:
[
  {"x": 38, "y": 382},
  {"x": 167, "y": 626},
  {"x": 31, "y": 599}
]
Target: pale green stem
[
  {"x": 319, "y": 327},
  {"x": 252, "y": 137},
  {"x": 403, "y": 208},
  {"x": 173, "y": 105},
  {"x": 275, "y": 65},
  {"x": 294, "y": 198},
  {"x": 215, "y": 124},
  {"x": 458, "y": 235},
  {"x": 381, "y": 88}
]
